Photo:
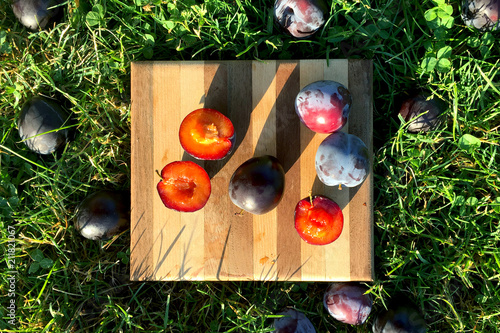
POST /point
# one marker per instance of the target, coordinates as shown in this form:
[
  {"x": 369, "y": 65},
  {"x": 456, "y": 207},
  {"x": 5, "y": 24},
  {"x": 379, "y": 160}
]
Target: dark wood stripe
[
  {"x": 288, "y": 152},
  {"x": 217, "y": 218},
  {"x": 361, "y": 218},
  {"x": 141, "y": 240},
  {"x": 237, "y": 263}
]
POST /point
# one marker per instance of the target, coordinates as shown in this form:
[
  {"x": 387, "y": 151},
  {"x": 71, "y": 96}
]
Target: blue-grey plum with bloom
[
  {"x": 42, "y": 125},
  {"x": 35, "y": 14},
  {"x": 103, "y": 214},
  {"x": 300, "y": 18},
  {"x": 481, "y": 14},
  {"x": 348, "y": 302},
  {"x": 342, "y": 159}
]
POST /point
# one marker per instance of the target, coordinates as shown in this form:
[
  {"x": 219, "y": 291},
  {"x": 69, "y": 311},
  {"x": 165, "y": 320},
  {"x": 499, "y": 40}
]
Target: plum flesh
[
  {"x": 257, "y": 185},
  {"x": 103, "y": 214},
  {"x": 348, "y": 302},
  {"x": 39, "y": 125},
  {"x": 300, "y": 18},
  {"x": 342, "y": 159},
  {"x": 323, "y": 106},
  {"x": 481, "y": 14},
  {"x": 35, "y": 14}
]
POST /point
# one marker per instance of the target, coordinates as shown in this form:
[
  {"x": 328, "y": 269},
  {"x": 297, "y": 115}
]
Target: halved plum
[
  {"x": 318, "y": 220},
  {"x": 207, "y": 134},
  {"x": 185, "y": 186}
]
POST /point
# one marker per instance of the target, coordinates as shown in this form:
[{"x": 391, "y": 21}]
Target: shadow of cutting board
[{"x": 215, "y": 243}]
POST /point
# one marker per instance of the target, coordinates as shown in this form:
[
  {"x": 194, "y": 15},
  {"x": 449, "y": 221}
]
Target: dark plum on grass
[
  {"x": 257, "y": 185},
  {"x": 103, "y": 214},
  {"x": 481, "y": 14},
  {"x": 293, "y": 321},
  {"x": 300, "y": 18},
  {"x": 401, "y": 316},
  {"x": 35, "y": 14},
  {"x": 422, "y": 111},
  {"x": 323, "y": 106},
  {"x": 342, "y": 159},
  {"x": 41, "y": 125}
]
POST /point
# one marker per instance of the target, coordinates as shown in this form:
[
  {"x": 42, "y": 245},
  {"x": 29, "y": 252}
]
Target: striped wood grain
[{"x": 215, "y": 243}]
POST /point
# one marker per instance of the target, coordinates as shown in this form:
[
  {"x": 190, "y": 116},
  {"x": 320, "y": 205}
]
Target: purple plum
[
  {"x": 300, "y": 18},
  {"x": 348, "y": 302},
  {"x": 293, "y": 321},
  {"x": 342, "y": 159},
  {"x": 423, "y": 110},
  {"x": 481, "y": 14},
  {"x": 323, "y": 106},
  {"x": 35, "y": 14},
  {"x": 257, "y": 185},
  {"x": 39, "y": 125},
  {"x": 401, "y": 316},
  {"x": 103, "y": 214}
]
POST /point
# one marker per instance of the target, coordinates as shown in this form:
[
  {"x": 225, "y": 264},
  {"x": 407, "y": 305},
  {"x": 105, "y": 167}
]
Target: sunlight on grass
[{"x": 437, "y": 202}]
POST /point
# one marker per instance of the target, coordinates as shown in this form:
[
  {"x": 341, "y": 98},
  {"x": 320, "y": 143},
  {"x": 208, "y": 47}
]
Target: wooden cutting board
[{"x": 215, "y": 243}]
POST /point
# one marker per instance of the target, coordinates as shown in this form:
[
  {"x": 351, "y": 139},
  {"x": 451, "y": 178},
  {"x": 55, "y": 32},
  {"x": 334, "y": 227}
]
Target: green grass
[{"x": 437, "y": 202}]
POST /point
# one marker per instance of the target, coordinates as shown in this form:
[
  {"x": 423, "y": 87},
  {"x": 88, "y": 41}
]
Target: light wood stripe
[
  {"x": 192, "y": 94},
  {"x": 338, "y": 253},
  {"x": 217, "y": 217},
  {"x": 166, "y": 225},
  {"x": 313, "y": 257}
]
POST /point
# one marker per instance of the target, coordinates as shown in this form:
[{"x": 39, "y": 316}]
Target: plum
[
  {"x": 323, "y": 106},
  {"x": 342, "y": 159},
  {"x": 207, "y": 134},
  {"x": 257, "y": 185},
  {"x": 184, "y": 186},
  {"x": 293, "y": 321},
  {"x": 35, "y": 14},
  {"x": 348, "y": 302},
  {"x": 318, "y": 220},
  {"x": 300, "y": 18},
  {"x": 401, "y": 316},
  {"x": 481, "y": 14},
  {"x": 423, "y": 110},
  {"x": 103, "y": 214},
  {"x": 39, "y": 125}
]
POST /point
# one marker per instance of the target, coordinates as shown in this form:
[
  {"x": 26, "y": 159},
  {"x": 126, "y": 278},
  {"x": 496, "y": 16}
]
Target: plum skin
[
  {"x": 323, "y": 106},
  {"x": 342, "y": 159},
  {"x": 481, "y": 14},
  {"x": 401, "y": 316},
  {"x": 258, "y": 184},
  {"x": 293, "y": 321},
  {"x": 348, "y": 302},
  {"x": 103, "y": 214},
  {"x": 423, "y": 111},
  {"x": 37, "y": 122},
  {"x": 300, "y": 18},
  {"x": 35, "y": 14}
]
